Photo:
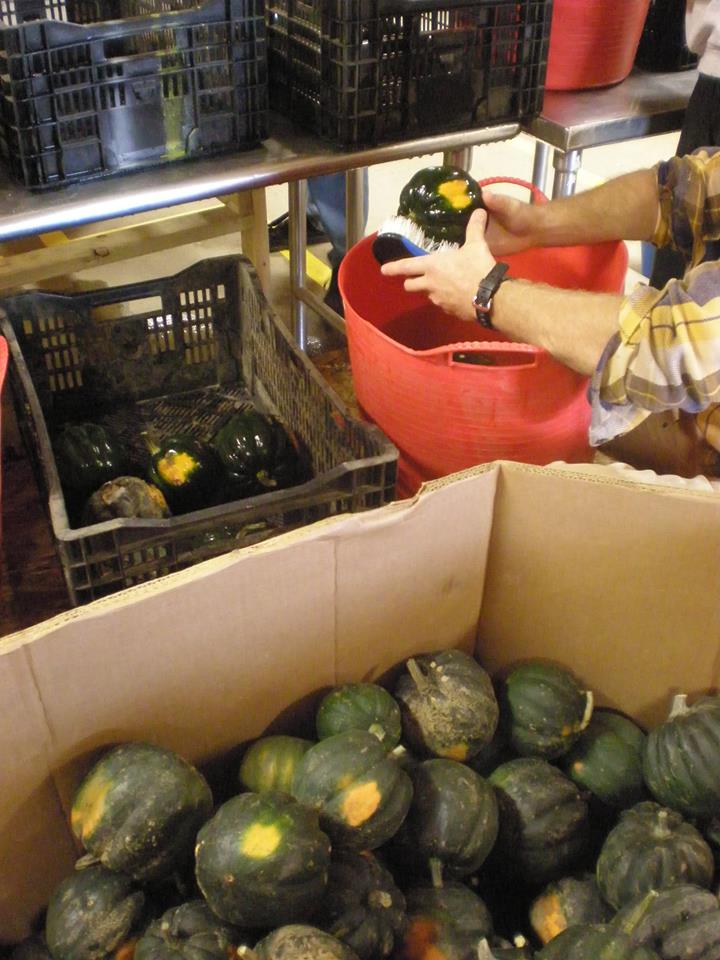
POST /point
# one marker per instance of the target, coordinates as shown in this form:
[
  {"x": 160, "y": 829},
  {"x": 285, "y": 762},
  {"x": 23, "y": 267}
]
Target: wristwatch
[{"x": 486, "y": 291}]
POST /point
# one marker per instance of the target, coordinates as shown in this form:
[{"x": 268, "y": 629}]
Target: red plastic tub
[
  {"x": 444, "y": 414},
  {"x": 593, "y": 43},
  {"x": 3, "y": 371}
]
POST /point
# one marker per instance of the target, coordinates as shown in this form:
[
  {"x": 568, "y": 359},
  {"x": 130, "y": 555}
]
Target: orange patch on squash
[
  {"x": 89, "y": 806},
  {"x": 458, "y": 751},
  {"x": 456, "y": 193},
  {"x": 175, "y": 468},
  {"x": 360, "y": 803},
  {"x": 549, "y": 918},
  {"x": 420, "y": 942}
]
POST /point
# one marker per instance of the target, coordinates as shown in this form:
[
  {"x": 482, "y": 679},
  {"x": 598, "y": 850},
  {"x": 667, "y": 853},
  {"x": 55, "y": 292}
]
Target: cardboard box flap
[{"x": 617, "y": 580}]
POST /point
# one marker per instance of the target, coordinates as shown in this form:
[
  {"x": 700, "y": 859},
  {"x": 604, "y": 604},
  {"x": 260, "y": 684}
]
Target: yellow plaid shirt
[{"x": 666, "y": 352}]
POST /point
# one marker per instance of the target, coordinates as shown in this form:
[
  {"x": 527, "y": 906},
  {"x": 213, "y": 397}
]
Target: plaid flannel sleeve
[{"x": 666, "y": 352}]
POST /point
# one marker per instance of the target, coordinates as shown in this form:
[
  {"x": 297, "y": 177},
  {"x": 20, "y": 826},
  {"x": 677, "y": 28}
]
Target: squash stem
[
  {"x": 87, "y": 860},
  {"x": 377, "y": 730},
  {"x": 150, "y": 442},
  {"x": 679, "y": 706},
  {"x": 589, "y": 704},
  {"x": 435, "y": 865},
  {"x": 418, "y": 677}
]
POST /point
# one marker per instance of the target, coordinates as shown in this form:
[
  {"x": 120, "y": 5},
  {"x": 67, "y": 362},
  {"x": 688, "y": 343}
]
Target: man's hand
[
  {"x": 512, "y": 226},
  {"x": 449, "y": 278}
]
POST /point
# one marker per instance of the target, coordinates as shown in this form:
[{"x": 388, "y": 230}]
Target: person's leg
[
  {"x": 326, "y": 202},
  {"x": 701, "y": 128}
]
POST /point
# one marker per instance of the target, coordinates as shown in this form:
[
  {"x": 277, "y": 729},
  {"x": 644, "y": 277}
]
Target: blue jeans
[{"x": 326, "y": 203}]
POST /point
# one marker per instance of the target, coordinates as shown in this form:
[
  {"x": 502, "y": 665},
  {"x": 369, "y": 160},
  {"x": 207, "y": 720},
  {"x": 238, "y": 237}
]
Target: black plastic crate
[
  {"x": 151, "y": 83},
  {"x": 366, "y": 71},
  {"x": 176, "y": 355}
]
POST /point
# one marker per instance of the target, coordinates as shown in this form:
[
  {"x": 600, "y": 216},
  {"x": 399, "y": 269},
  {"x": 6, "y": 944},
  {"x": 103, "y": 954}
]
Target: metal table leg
[
  {"x": 297, "y": 242},
  {"x": 354, "y": 206},
  {"x": 566, "y": 170},
  {"x": 458, "y": 158},
  {"x": 540, "y": 165}
]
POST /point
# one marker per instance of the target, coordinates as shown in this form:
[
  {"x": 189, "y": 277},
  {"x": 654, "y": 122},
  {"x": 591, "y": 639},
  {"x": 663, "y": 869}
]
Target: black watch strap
[{"x": 486, "y": 291}]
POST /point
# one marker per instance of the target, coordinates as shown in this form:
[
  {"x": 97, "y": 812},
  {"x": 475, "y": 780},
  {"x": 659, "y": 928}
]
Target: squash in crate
[
  {"x": 449, "y": 919},
  {"x": 269, "y": 763},
  {"x": 190, "y": 931},
  {"x": 360, "y": 706},
  {"x": 680, "y": 921},
  {"x": 298, "y": 941}
]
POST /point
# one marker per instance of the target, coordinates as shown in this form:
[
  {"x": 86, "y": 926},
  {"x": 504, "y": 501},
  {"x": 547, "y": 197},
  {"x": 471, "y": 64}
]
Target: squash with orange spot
[
  {"x": 444, "y": 923},
  {"x": 361, "y": 793}
]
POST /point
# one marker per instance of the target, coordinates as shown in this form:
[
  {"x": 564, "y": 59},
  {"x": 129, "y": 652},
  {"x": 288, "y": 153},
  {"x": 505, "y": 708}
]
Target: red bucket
[
  {"x": 444, "y": 414},
  {"x": 593, "y": 42},
  {"x": 3, "y": 370}
]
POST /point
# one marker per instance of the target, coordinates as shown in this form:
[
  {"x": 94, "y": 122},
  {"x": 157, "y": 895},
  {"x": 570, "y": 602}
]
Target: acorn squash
[
  {"x": 444, "y": 923},
  {"x": 257, "y": 454},
  {"x": 269, "y": 763},
  {"x": 565, "y": 902},
  {"x": 190, "y": 931},
  {"x": 448, "y": 705},
  {"x": 680, "y": 923},
  {"x": 138, "y": 810},
  {"x": 544, "y": 709},
  {"x": 262, "y": 860},
  {"x": 185, "y": 470},
  {"x": 362, "y": 906},
  {"x": 360, "y": 706},
  {"x": 680, "y": 762},
  {"x": 591, "y": 942},
  {"x": 440, "y": 200},
  {"x": 543, "y": 819},
  {"x": 362, "y": 794},
  {"x": 607, "y": 758},
  {"x": 87, "y": 455},
  {"x": 299, "y": 941},
  {"x": 650, "y": 848},
  {"x": 91, "y": 914},
  {"x": 125, "y": 497},
  {"x": 453, "y": 819}
]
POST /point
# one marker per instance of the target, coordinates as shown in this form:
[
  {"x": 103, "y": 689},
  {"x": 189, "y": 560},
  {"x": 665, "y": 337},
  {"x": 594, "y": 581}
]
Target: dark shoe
[
  {"x": 279, "y": 236},
  {"x": 332, "y": 295}
]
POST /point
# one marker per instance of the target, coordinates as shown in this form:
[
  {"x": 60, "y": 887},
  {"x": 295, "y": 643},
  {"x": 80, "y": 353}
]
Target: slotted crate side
[
  {"x": 366, "y": 70},
  {"x": 187, "y": 350},
  {"x": 82, "y": 101}
]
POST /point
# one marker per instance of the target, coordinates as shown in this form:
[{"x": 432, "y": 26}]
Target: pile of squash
[
  {"x": 458, "y": 817},
  {"x": 249, "y": 453}
]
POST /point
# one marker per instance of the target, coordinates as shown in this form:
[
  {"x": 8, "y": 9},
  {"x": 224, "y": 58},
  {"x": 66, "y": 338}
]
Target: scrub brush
[{"x": 400, "y": 237}]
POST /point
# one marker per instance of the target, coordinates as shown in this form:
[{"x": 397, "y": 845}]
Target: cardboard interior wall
[{"x": 615, "y": 579}]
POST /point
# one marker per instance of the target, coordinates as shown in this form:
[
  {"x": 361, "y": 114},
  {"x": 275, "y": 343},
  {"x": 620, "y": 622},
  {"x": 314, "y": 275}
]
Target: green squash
[
  {"x": 680, "y": 763},
  {"x": 361, "y": 793},
  {"x": 544, "y": 709},
  {"x": 190, "y": 931},
  {"x": 87, "y": 455},
  {"x": 362, "y": 905},
  {"x": 650, "y": 848},
  {"x": 679, "y": 923},
  {"x": 91, "y": 914},
  {"x": 300, "y": 942},
  {"x": 444, "y": 923},
  {"x": 262, "y": 860},
  {"x": 257, "y": 454},
  {"x": 360, "y": 706},
  {"x": 269, "y": 763},
  {"x": 593, "y": 942},
  {"x": 448, "y": 705},
  {"x": 138, "y": 810},
  {"x": 565, "y": 902},
  {"x": 185, "y": 470},
  {"x": 544, "y": 821},
  {"x": 452, "y": 823},
  {"x": 125, "y": 497},
  {"x": 607, "y": 759},
  {"x": 440, "y": 200}
]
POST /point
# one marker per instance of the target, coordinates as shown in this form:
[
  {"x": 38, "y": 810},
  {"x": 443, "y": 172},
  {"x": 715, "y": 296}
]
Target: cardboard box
[{"x": 617, "y": 579}]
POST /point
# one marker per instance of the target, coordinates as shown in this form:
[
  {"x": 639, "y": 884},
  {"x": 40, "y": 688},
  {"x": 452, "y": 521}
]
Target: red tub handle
[
  {"x": 537, "y": 194},
  {"x": 524, "y": 354}
]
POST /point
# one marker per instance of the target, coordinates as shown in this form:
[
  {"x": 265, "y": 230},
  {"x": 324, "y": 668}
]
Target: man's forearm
[
  {"x": 573, "y": 325},
  {"x": 625, "y": 208}
]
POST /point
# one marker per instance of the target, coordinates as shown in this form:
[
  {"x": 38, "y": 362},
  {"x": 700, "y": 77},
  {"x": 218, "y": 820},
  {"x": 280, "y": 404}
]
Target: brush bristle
[{"x": 415, "y": 234}]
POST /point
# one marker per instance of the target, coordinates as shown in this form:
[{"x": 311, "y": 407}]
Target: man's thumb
[{"x": 475, "y": 229}]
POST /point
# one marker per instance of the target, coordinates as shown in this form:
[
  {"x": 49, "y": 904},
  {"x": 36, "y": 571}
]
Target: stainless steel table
[
  {"x": 286, "y": 157},
  {"x": 643, "y": 105}
]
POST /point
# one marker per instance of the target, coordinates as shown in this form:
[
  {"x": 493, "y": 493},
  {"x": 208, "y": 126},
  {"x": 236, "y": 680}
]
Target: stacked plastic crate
[
  {"x": 366, "y": 71},
  {"x": 91, "y": 88}
]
